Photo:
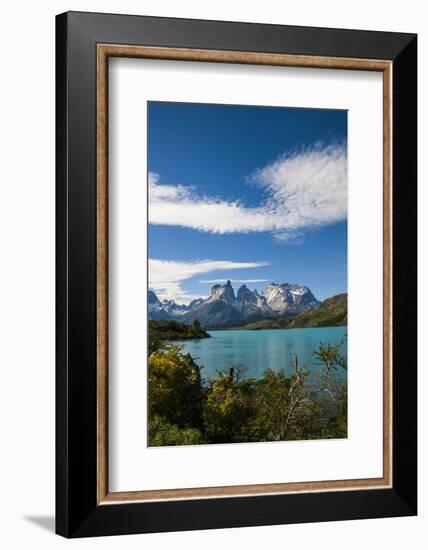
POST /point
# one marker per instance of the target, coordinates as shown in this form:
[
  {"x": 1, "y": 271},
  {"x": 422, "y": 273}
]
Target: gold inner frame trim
[{"x": 104, "y": 51}]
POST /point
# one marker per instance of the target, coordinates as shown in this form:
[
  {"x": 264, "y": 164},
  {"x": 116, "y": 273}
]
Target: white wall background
[{"x": 27, "y": 272}]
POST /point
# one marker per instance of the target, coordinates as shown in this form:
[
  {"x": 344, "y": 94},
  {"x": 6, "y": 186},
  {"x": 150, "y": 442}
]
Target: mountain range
[{"x": 225, "y": 308}]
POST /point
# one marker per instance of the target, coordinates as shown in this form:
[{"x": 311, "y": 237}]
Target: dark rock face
[
  {"x": 195, "y": 303},
  {"x": 245, "y": 297},
  {"x": 213, "y": 314},
  {"x": 152, "y": 298},
  {"x": 155, "y": 309},
  {"x": 249, "y": 304},
  {"x": 157, "y": 315}
]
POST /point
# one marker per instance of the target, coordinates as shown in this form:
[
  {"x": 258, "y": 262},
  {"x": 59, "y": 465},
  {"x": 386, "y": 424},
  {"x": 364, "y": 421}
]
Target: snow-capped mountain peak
[
  {"x": 153, "y": 300},
  {"x": 224, "y": 293},
  {"x": 223, "y": 307},
  {"x": 173, "y": 309},
  {"x": 289, "y": 297},
  {"x": 155, "y": 307}
]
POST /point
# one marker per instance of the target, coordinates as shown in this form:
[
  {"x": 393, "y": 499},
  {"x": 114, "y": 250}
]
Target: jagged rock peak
[
  {"x": 243, "y": 288},
  {"x": 245, "y": 296},
  {"x": 223, "y": 292},
  {"x": 174, "y": 309},
  {"x": 286, "y": 296},
  {"x": 152, "y": 298},
  {"x": 196, "y": 302},
  {"x": 223, "y": 307}
]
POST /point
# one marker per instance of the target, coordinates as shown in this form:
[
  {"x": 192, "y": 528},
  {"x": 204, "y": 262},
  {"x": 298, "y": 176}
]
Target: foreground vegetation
[{"x": 229, "y": 408}]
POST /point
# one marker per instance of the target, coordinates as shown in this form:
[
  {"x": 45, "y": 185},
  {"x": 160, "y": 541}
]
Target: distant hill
[
  {"x": 332, "y": 312},
  {"x": 261, "y": 324},
  {"x": 163, "y": 329}
]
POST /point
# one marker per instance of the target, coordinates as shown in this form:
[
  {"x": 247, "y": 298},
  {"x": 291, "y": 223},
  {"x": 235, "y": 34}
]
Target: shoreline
[{"x": 269, "y": 328}]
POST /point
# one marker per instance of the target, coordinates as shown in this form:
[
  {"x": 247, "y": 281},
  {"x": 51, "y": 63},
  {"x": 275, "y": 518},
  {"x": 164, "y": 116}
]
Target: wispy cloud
[
  {"x": 305, "y": 189},
  {"x": 166, "y": 276},
  {"x": 182, "y": 206},
  {"x": 215, "y": 281}
]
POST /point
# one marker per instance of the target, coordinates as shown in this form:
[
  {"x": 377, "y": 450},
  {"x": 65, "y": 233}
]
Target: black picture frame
[{"x": 77, "y": 511}]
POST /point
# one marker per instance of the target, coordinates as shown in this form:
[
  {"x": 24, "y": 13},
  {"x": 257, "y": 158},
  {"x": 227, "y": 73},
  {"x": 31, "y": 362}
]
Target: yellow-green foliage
[
  {"x": 286, "y": 408},
  {"x": 227, "y": 408},
  {"x": 161, "y": 433},
  {"x": 233, "y": 409},
  {"x": 175, "y": 390}
]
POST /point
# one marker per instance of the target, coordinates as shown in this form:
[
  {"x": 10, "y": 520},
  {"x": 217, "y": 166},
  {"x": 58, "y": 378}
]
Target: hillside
[
  {"x": 165, "y": 330},
  {"x": 262, "y": 324},
  {"x": 265, "y": 324},
  {"x": 332, "y": 312}
]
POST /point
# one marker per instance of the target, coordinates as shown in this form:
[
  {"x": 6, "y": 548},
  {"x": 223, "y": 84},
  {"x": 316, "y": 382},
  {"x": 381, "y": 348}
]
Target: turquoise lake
[{"x": 258, "y": 350}]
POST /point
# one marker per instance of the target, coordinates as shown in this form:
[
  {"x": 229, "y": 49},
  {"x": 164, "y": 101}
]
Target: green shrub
[
  {"x": 162, "y": 433},
  {"x": 233, "y": 409},
  {"x": 175, "y": 390}
]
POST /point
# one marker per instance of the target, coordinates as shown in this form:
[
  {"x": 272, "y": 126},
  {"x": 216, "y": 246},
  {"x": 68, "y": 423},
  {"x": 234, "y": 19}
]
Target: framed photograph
[{"x": 236, "y": 274}]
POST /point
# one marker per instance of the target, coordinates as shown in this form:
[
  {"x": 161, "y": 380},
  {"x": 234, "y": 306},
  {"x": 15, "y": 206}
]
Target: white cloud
[
  {"x": 308, "y": 188},
  {"x": 182, "y": 206},
  {"x": 222, "y": 281},
  {"x": 166, "y": 276},
  {"x": 305, "y": 189}
]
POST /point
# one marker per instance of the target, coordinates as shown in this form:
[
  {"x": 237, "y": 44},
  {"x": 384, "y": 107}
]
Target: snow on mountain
[
  {"x": 196, "y": 303},
  {"x": 224, "y": 293},
  {"x": 173, "y": 309},
  {"x": 261, "y": 303},
  {"x": 167, "y": 309},
  {"x": 223, "y": 307},
  {"x": 289, "y": 297},
  {"x": 155, "y": 307}
]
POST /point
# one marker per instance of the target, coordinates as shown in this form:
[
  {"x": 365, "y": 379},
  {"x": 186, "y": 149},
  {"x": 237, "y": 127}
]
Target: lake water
[{"x": 261, "y": 349}]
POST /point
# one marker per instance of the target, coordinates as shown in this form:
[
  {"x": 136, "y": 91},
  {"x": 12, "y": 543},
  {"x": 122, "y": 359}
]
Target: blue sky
[{"x": 251, "y": 194}]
